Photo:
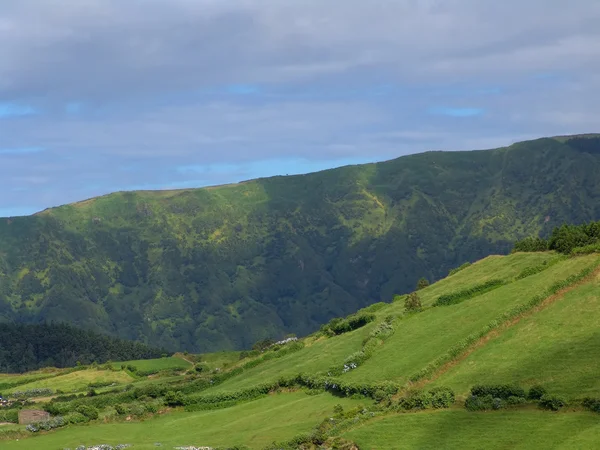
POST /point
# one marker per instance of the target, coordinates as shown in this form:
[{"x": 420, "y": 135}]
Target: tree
[
  {"x": 413, "y": 303},
  {"x": 422, "y": 283}
]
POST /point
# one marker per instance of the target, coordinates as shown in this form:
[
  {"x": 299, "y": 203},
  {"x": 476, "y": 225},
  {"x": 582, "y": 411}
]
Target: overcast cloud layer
[{"x": 105, "y": 95}]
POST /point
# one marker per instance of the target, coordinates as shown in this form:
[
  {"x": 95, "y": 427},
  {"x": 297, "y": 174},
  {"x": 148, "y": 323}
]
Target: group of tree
[
  {"x": 564, "y": 239},
  {"x": 30, "y": 347}
]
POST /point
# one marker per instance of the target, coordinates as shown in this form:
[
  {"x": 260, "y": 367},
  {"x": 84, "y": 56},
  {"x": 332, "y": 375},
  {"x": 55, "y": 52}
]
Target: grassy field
[
  {"x": 77, "y": 381},
  {"x": 318, "y": 356},
  {"x": 557, "y": 347},
  {"x": 421, "y": 338},
  {"x": 530, "y": 429},
  {"x": 255, "y": 424},
  {"x": 155, "y": 365},
  {"x": 7, "y": 379},
  {"x": 493, "y": 267}
]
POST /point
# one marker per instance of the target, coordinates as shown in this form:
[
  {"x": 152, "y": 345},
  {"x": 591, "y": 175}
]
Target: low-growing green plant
[
  {"x": 174, "y": 398},
  {"x": 536, "y": 392},
  {"x": 76, "y": 418},
  {"x": 552, "y": 402},
  {"x": 339, "y": 326},
  {"x": 442, "y": 397},
  {"x": 503, "y": 391},
  {"x": 454, "y": 298},
  {"x": 412, "y": 303},
  {"x": 88, "y": 411},
  {"x": 593, "y": 404},
  {"x": 484, "y": 403},
  {"x": 10, "y": 416}
]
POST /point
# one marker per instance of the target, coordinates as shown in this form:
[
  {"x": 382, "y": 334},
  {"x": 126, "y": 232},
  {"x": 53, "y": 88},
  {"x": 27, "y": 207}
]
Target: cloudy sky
[{"x": 105, "y": 95}]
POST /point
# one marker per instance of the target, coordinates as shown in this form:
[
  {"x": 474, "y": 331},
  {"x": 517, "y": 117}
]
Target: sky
[{"x": 99, "y": 96}]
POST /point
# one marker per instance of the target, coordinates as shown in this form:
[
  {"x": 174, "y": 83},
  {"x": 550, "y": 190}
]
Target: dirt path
[{"x": 498, "y": 331}]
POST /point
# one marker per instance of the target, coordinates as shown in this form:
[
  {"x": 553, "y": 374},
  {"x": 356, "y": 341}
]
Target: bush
[
  {"x": 422, "y": 283},
  {"x": 502, "y": 391},
  {"x": 75, "y": 418},
  {"x": 536, "y": 392},
  {"x": 416, "y": 399},
  {"x": 442, "y": 397},
  {"x": 46, "y": 425},
  {"x": 10, "y": 415},
  {"x": 339, "y": 326},
  {"x": 121, "y": 409},
  {"x": 412, "y": 303},
  {"x": 88, "y": 411},
  {"x": 593, "y": 404},
  {"x": 552, "y": 402},
  {"x": 513, "y": 400},
  {"x": 460, "y": 296},
  {"x": 484, "y": 403},
  {"x": 174, "y": 398}
]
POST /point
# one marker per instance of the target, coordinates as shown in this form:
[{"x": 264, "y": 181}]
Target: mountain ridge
[{"x": 190, "y": 268}]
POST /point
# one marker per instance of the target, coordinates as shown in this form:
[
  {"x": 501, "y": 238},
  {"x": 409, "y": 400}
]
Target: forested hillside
[
  {"x": 30, "y": 347},
  {"x": 222, "y": 267}
]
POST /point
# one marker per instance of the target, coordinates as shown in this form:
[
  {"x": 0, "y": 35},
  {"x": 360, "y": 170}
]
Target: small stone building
[{"x": 27, "y": 416}]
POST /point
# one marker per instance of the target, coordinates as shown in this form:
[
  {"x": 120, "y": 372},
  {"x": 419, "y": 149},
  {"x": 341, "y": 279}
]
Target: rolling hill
[
  {"x": 220, "y": 268},
  {"x": 401, "y": 379}
]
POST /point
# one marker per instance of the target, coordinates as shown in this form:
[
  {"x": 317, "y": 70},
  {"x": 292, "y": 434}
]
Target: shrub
[
  {"x": 174, "y": 398},
  {"x": 151, "y": 408},
  {"x": 75, "y": 418},
  {"x": 536, "y": 392},
  {"x": 442, "y": 397},
  {"x": 483, "y": 403},
  {"x": 88, "y": 411},
  {"x": 121, "y": 409},
  {"x": 593, "y": 404},
  {"x": 137, "y": 409},
  {"x": 502, "y": 391},
  {"x": 460, "y": 296},
  {"x": 412, "y": 303},
  {"x": 416, "y": 399},
  {"x": 514, "y": 400},
  {"x": 353, "y": 322},
  {"x": 46, "y": 425},
  {"x": 552, "y": 402},
  {"x": 422, "y": 283},
  {"x": 11, "y": 415}
]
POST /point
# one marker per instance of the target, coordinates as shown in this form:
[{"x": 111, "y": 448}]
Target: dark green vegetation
[
  {"x": 567, "y": 239},
  {"x": 510, "y": 367},
  {"x": 224, "y": 267},
  {"x": 29, "y": 347}
]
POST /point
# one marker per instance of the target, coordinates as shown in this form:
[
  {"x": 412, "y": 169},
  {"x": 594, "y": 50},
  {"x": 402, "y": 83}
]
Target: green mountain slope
[
  {"x": 220, "y": 268},
  {"x": 374, "y": 387}
]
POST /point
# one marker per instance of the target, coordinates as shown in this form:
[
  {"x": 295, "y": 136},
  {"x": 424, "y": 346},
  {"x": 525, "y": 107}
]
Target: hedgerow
[
  {"x": 463, "y": 345},
  {"x": 552, "y": 402},
  {"x": 437, "y": 398},
  {"x": 339, "y": 326},
  {"x": 10, "y": 415},
  {"x": 503, "y": 391},
  {"x": 454, "y": 298},
  {"x": 46, "y": 425}
]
